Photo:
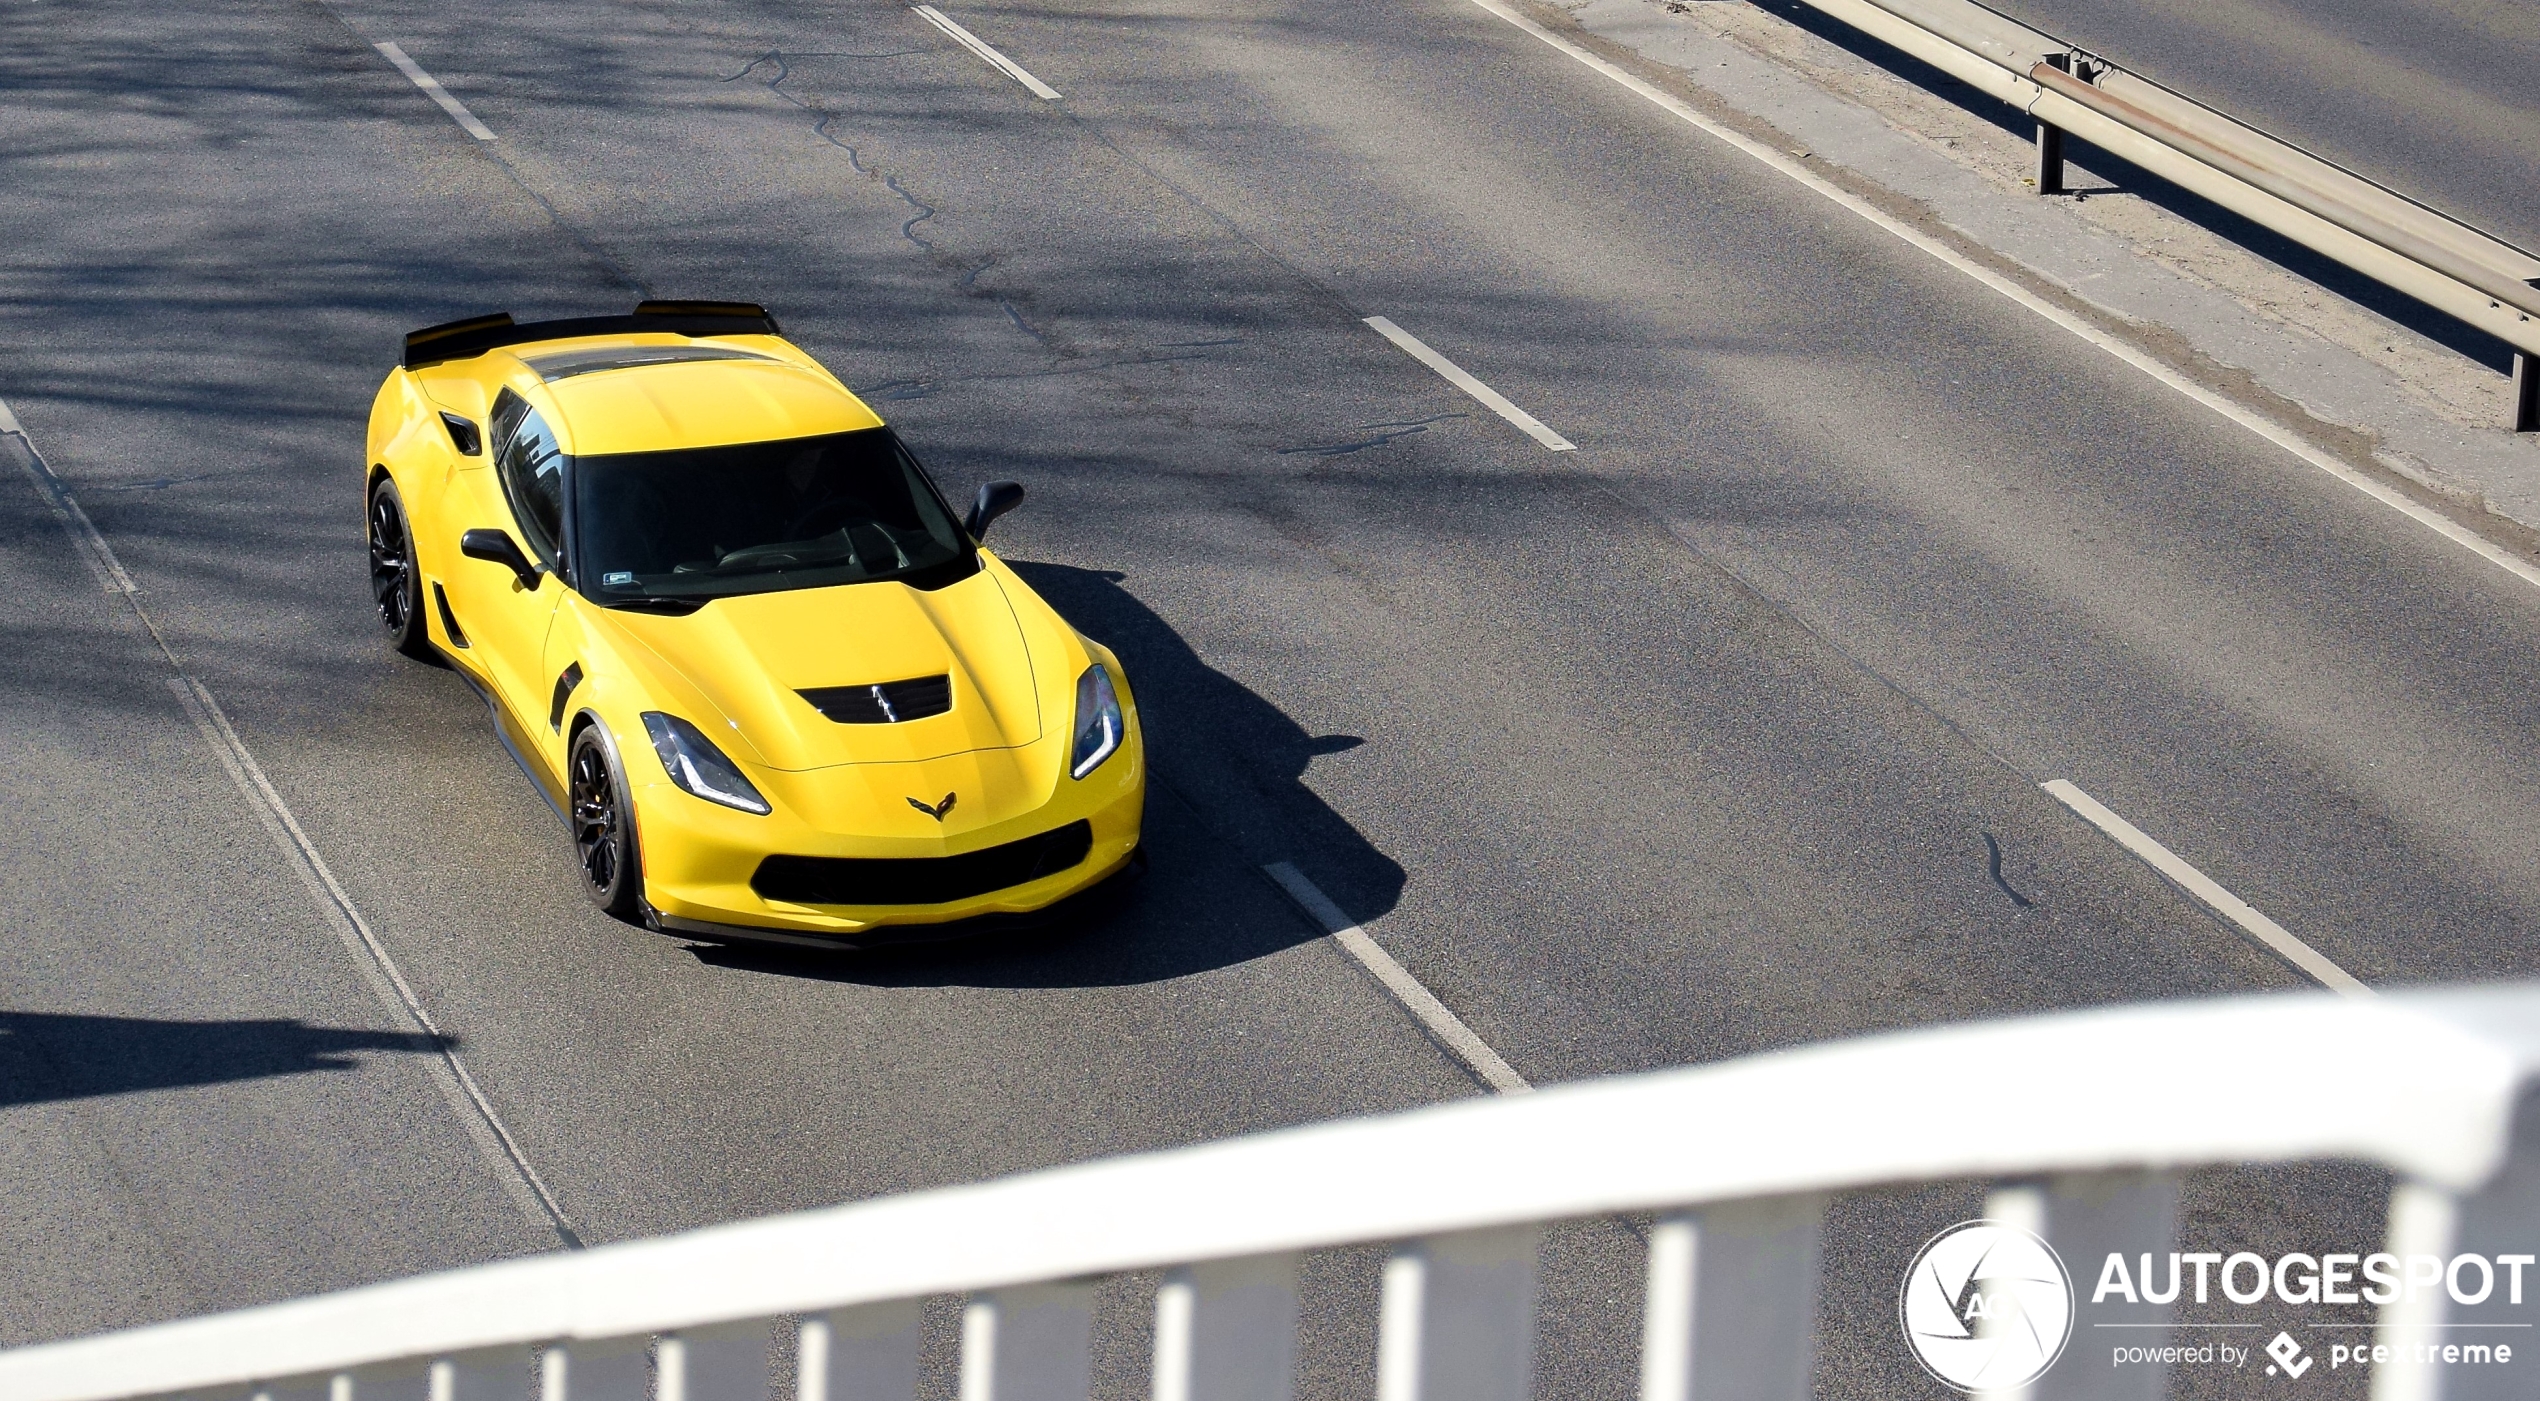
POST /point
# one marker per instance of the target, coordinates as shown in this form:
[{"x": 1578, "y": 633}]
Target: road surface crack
[{"x": 1993, "y": 868}]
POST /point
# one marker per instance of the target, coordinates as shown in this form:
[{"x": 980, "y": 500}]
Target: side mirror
[
  {"x": 498, "y": 547},
  {"x": 995, "y": 499}
]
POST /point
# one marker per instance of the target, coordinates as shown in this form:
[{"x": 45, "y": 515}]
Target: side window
[{"x": 532, "y": 469}]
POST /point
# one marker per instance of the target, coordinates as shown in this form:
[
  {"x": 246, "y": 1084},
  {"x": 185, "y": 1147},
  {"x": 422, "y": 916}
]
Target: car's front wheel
[
  {"x": 603, "y": 826},
  {"x": 396, "y": 585}
]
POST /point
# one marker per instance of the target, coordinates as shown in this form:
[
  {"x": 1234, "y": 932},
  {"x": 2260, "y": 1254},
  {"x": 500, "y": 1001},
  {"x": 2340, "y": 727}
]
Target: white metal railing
[
  {"x": 2087, "y": 1116},
  {"x": 2441, "y": 261}
]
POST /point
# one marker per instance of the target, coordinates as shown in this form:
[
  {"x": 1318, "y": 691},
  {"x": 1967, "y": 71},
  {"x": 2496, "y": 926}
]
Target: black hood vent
[{"x": 890, "y": 703}]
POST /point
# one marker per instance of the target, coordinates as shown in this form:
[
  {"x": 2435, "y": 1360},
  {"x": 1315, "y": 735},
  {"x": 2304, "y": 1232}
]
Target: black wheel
[
  {"x": 396, "y": 586},
  {"x": 603, "y": 828}
]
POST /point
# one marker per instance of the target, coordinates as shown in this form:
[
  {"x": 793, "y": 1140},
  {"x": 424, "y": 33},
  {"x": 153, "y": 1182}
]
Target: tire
[
  {"x": 396, "y": 584},
  {"x": 603, "y": 826}
]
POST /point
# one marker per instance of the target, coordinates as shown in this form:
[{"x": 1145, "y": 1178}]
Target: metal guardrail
[
  {"x": 2090, "y": 1116},
  {"x": 2463, "y": 271}
]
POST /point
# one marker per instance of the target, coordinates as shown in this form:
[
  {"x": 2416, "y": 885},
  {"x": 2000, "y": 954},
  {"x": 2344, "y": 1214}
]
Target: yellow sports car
[{"x": 731, "y": 629}]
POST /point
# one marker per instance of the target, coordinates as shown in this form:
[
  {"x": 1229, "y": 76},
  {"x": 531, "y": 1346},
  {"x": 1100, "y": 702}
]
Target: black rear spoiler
[{"x": 458, "y": 340}]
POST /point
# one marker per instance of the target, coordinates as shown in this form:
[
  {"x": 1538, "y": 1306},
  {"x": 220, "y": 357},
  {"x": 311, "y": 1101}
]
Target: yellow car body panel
[
  {"x": 551, "y": 661},
  {"x": 702, "y": 404}
]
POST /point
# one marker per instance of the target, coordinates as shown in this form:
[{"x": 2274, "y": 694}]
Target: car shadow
[
  {"x": 1225, "y": 795},
  {"x": 48, "y": 1056}
]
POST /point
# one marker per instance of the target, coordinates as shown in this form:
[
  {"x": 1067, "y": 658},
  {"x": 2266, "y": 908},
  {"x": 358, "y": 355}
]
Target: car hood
[{"x": 752, "y": 656}]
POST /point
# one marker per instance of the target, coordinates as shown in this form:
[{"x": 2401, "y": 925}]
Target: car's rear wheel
[
  {"x": 396, "y": 585},
  {"x": 603, "y": 826}
]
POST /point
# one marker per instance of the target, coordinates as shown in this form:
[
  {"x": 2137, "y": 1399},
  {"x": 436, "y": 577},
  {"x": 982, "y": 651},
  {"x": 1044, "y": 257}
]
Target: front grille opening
[
  {"x": 923, "y": 880},
  {"x": 889, "y": 703}
]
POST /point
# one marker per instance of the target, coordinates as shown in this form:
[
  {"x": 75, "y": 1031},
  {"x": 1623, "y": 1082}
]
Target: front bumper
[
  {"x": 699, "y": 859},
  {"x": 1096, "y": 895}
]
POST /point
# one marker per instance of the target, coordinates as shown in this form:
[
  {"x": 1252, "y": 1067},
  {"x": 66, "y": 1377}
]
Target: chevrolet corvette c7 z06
[{"x": 729, "y": 626}]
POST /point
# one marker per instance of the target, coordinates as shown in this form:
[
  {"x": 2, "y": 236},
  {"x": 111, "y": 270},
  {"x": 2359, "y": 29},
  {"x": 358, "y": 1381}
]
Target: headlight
[
  {"x": 698, "y": 767},
  {"x": 1098, "y": 722}
]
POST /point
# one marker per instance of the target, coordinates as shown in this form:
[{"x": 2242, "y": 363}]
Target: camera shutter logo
[{"x": 1986, "y": 1307}]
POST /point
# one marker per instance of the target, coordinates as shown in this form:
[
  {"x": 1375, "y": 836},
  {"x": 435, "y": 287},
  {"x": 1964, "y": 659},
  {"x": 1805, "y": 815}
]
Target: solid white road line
[
  {"x": 432, "y": 89},
  {"x": 981, "y": 47},
  {"x": 2198, "y": 884},
  {"x": 2256, "y": 422},
  {"x": 1449, "y": 1029},
  {"x": 1454, "y": 374},
  {"x": 476, "y": 1113},
  {"x": 85, "y": 541}
]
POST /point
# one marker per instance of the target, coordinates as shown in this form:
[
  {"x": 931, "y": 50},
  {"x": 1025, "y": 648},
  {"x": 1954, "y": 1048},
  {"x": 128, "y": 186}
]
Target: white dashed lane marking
[
  {"x": 981, "y": 47},
  {"x": 1483, "y": 394},
  {"x": 432, "y": 89},
  {"x": 2195, "y": 882},
  {"x": 1449, "y": 1029}
]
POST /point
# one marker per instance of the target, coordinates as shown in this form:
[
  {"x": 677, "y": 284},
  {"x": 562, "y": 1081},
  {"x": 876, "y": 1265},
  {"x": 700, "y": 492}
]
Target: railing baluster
[
  {"x": 1458, "y": 1321},
  {"x": 603, "y": 1369},
  {"x": 1029, "y": 1344},
  {"x": 2423, "y": 1221},
  {"x": 1732, "y": 1303},
  {"x": 725, "y": 1362},
  {"x": 2501, "y": 1221},
  {"x": 1226, "y": 1331},
  {"x": 868, "y": 1353},
  {"x": 489, "y": 1374},
  {"x": 2087, "y": 1218}
]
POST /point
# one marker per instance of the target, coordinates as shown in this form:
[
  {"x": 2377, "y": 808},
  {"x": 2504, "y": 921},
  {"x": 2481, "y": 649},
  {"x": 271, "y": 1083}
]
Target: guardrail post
[
  {"x": 1226, "y": 1331},
  {"x": 1458, "y": 1321},
  {"x": 867, "y": 1353},
  {"x": 727, "y": 1362},
  {"x": 2499, "y": 1223},
  {"x": 605, "y": 1369},
  {"x": 2087, "y": 1218},
  {"x": 1731, "y": 1311},
  {"x": 2526, "y": 392},
  {"x": 1034, "y": 1343},
  {"x": 2050, "y": 142},
  {"x": 494, "y": 1374}
]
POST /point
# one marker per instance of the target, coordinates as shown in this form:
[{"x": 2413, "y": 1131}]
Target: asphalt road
[
  {"x": 2433, "y": 98},
  {"x": 1721, "y": 733}
]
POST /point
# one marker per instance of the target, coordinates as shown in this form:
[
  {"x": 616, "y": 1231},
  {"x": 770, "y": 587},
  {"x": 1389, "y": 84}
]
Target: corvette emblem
[{"x": 938, "y": 810}]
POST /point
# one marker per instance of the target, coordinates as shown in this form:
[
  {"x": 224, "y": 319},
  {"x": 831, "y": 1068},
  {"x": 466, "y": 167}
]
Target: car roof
[{"x": 656, "y": 392}]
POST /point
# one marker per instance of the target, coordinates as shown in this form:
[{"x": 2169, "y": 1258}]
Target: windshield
[{"x": 804, "y": 513}]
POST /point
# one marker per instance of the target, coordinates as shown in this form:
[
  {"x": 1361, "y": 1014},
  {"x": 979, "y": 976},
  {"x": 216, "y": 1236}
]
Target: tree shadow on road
[
  {"x": 1225, "y": 795},
  {"x": 47, "y": 1056}
]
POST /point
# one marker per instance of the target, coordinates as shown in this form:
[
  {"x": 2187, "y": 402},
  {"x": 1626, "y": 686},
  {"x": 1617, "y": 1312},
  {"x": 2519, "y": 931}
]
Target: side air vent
[
  {"x": 890, "y": 703},
  {"x": 463, "y": 435},
  {"x": 571, "y": 678},
  {"x": 449, "y": 620}
]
